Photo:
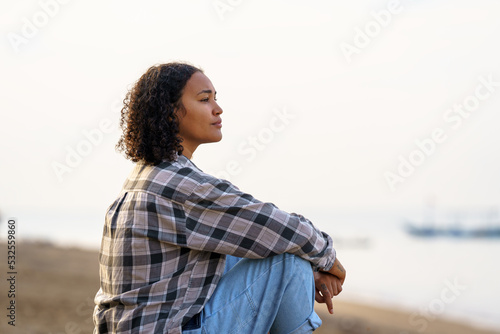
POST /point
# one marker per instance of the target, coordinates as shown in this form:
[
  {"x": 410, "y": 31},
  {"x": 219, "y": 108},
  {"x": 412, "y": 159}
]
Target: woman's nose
[{"x": 217, "y": 110}]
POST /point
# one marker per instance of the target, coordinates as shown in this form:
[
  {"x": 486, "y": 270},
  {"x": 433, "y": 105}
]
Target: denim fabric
[{"x": 273, "y": 295}]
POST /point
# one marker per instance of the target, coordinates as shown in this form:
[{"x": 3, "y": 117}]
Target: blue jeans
[{"x": 273, "y": 295}]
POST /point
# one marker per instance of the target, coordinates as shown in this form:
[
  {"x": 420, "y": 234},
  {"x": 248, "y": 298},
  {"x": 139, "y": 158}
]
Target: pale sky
[{"x": 322, "y": 100}]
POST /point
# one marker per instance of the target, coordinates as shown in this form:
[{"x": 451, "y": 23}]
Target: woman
[{"x": 185, "y": 252}]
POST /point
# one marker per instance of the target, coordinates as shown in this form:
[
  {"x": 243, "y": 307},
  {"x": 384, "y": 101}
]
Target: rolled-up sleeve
[{"x": 222, "y": 219}]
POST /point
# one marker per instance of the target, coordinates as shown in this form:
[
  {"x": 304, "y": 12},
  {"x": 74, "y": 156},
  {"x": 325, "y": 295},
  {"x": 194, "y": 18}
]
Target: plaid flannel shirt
[{"x": 164, "y": 240}]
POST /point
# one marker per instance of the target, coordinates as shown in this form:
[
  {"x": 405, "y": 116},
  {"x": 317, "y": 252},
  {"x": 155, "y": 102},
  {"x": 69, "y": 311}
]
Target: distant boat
[{"x": 430, "y": 230}]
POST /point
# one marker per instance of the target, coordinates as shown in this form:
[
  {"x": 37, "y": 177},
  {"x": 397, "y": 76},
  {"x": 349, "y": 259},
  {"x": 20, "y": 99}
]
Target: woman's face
[{"x": 200, "y": 121}]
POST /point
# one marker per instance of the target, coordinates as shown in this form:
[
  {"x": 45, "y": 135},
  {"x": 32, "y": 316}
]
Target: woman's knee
[{"x": 297, "y": 265}]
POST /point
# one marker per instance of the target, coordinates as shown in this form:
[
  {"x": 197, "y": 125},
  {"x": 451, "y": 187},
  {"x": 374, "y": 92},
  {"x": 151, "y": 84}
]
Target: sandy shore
[{"x": 55, "y": 289}]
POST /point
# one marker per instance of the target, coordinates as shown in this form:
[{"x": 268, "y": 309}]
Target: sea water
[
  {"x": 456, "y": 278},
  {"x": 429, "y": 277}
]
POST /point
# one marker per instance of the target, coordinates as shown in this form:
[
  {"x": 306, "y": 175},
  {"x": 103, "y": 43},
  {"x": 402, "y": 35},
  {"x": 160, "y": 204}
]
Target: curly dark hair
[{"x": 149, "y": 117}]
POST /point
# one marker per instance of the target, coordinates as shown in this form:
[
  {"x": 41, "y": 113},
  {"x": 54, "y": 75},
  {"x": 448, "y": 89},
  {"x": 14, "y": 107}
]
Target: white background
[{"x": 354, "y": 115}]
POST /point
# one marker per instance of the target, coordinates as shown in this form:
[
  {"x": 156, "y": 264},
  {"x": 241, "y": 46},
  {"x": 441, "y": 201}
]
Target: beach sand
[{"x": 55, "y": 288}]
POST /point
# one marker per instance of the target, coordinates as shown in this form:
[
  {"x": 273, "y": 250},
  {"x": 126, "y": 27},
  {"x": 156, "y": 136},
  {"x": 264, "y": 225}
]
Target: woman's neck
[{"x": 188, "y": 151}]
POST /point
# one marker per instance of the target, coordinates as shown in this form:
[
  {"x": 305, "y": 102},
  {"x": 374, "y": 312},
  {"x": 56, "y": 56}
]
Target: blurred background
[{"x": 377, "y": 120}]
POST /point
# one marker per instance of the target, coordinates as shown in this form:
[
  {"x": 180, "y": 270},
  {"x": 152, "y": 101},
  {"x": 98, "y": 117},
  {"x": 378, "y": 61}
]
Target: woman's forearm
[{"x": 338, "y": 270}]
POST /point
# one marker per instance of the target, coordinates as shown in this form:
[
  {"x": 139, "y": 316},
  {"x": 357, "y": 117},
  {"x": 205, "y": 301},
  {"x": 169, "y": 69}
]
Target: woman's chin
[{"x": 217, "y": 138}]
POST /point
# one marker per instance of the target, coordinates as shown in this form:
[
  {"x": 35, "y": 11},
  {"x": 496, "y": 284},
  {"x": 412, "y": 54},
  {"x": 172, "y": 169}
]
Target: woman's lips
[{"x": 218, "y": 124}]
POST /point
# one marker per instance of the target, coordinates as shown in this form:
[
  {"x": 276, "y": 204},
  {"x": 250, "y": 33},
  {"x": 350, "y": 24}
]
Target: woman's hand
[{"x": 327, "y": 286}]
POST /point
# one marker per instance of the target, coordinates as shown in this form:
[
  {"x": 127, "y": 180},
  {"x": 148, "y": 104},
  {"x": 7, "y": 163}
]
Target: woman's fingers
[
  {"x": 327, "y": 296},
  {"x": 318, "y": 297},
  {"x": 327, "y": 286},
  {"x": 338, "y": 287}
]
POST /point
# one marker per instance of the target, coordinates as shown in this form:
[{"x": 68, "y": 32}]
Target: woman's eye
[{"x": 207, "y": 99}]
